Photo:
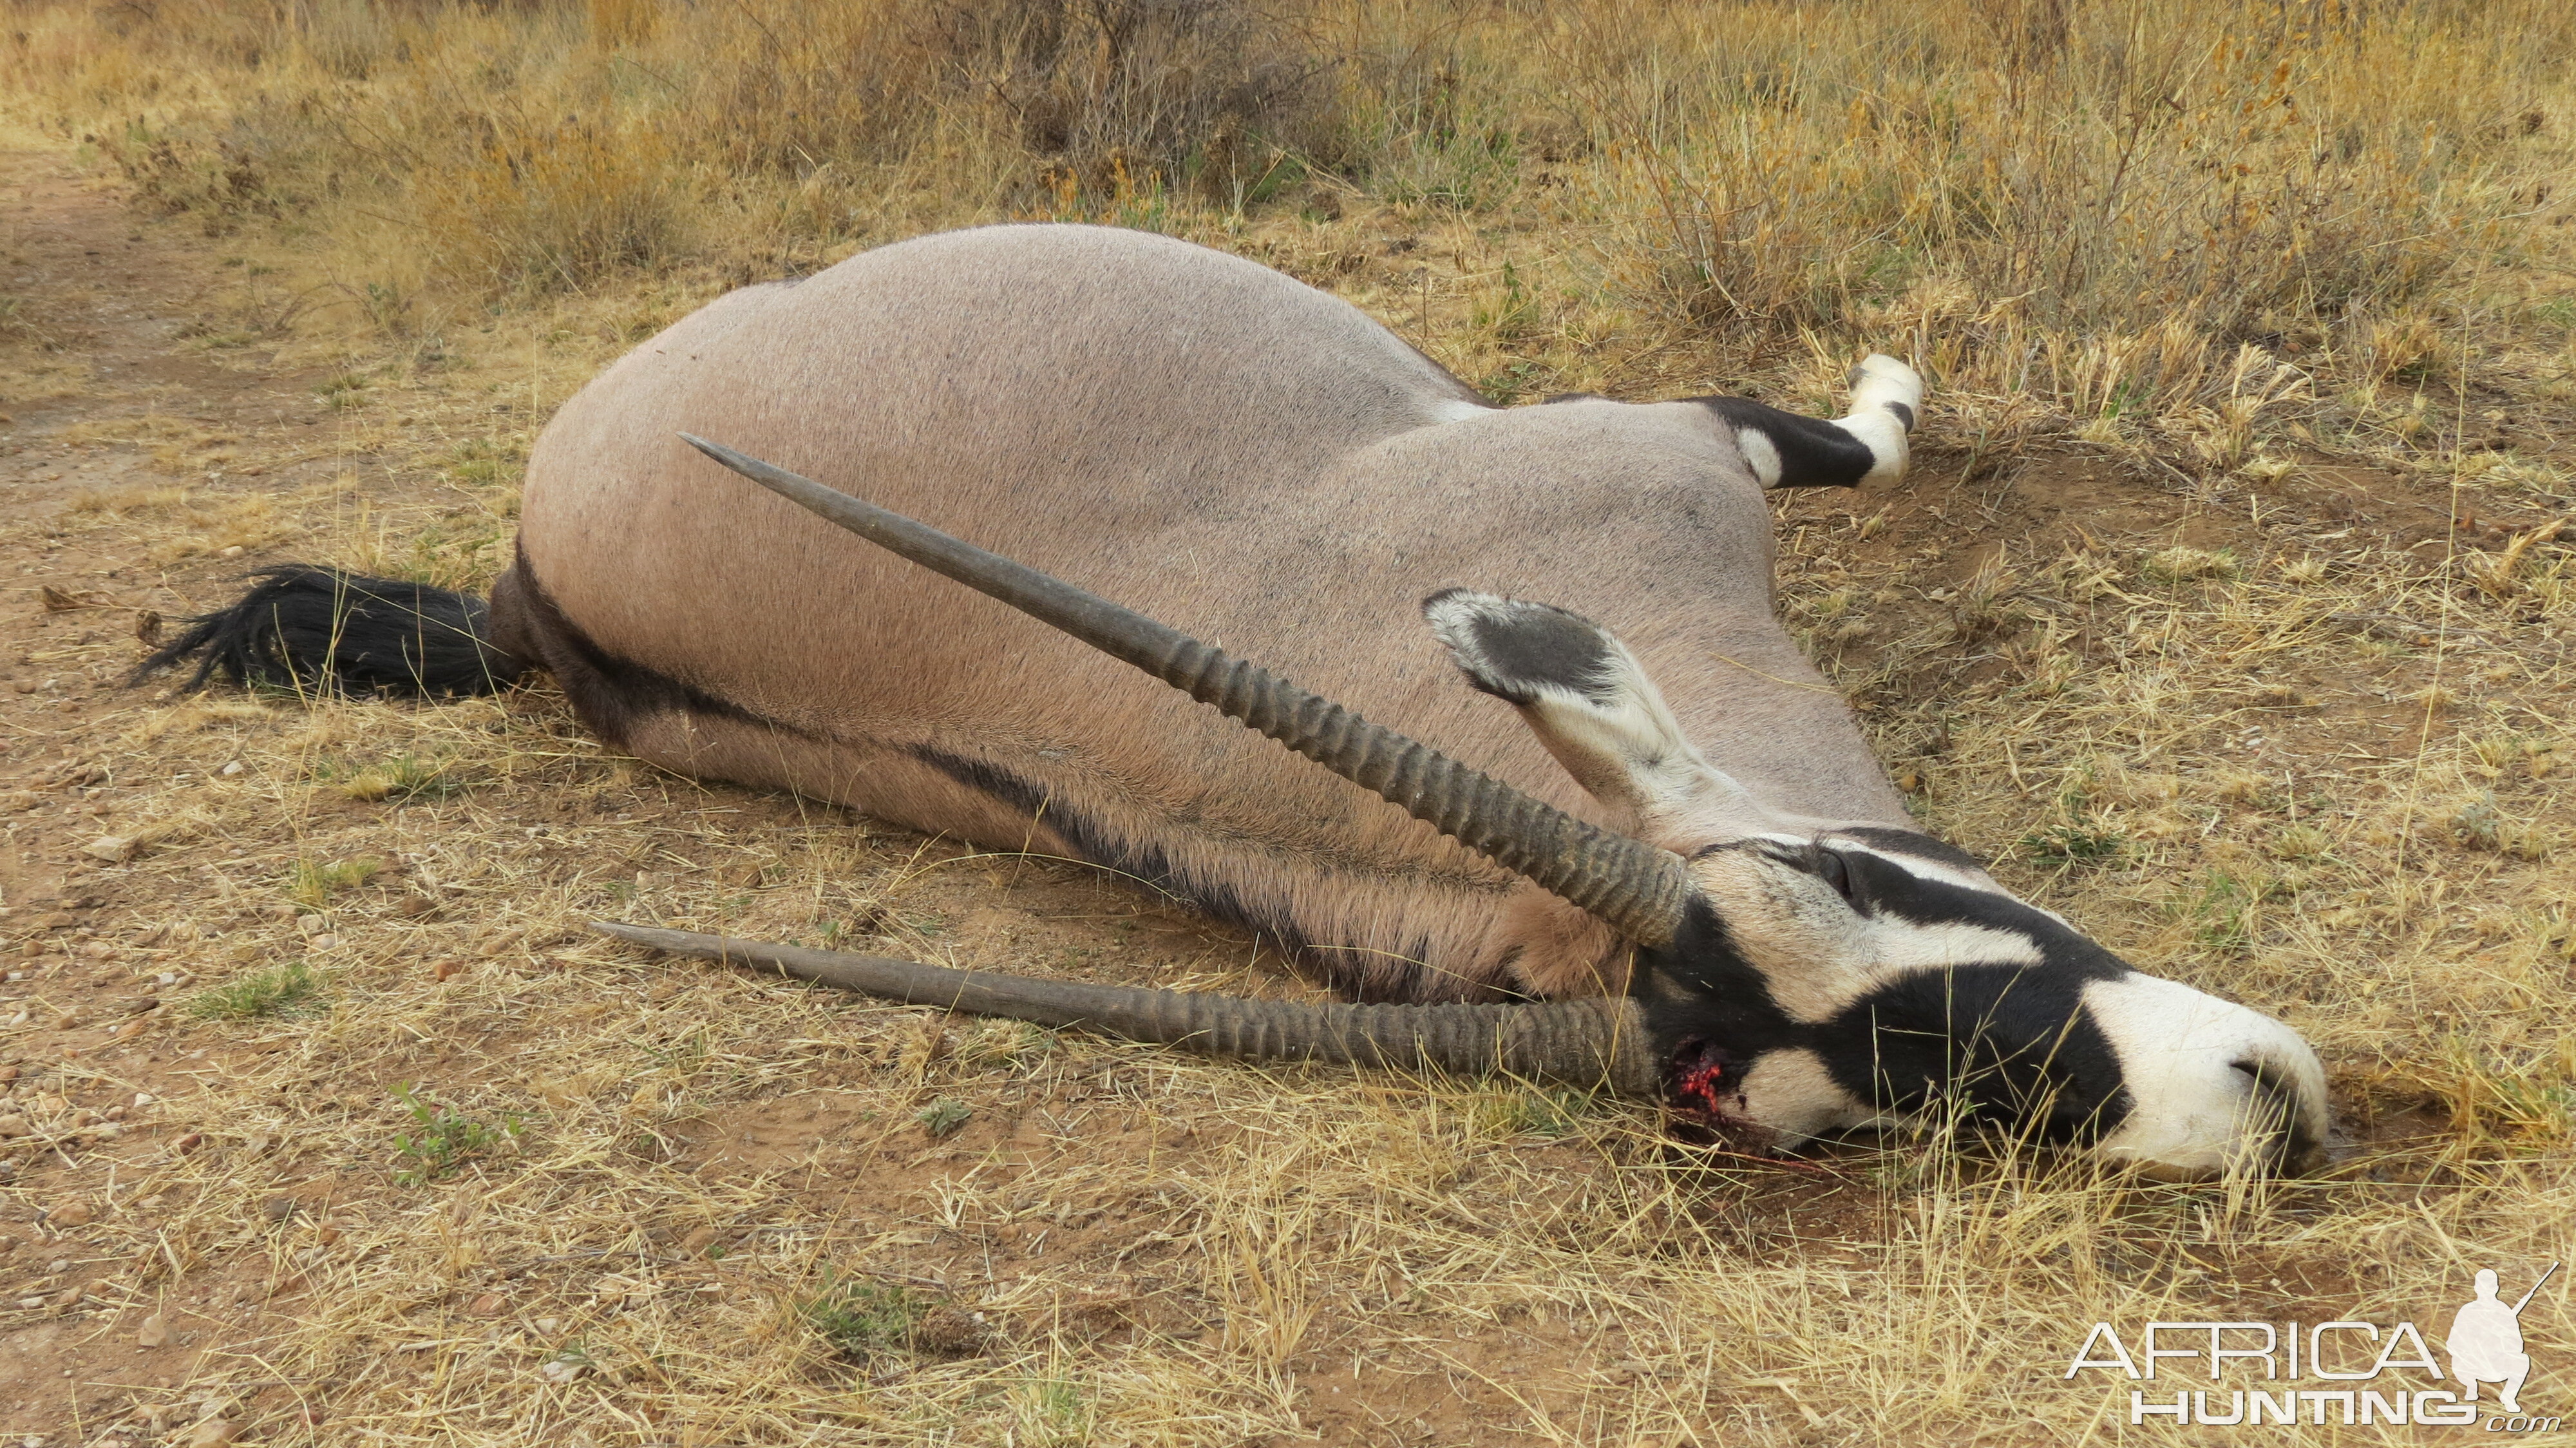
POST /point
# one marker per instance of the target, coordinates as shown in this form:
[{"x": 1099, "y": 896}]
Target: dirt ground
[{"x": 642, "y": 1171}]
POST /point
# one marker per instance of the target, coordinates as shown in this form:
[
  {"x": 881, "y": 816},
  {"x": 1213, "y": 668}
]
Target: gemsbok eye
[{"x": 1831, "y": 869}]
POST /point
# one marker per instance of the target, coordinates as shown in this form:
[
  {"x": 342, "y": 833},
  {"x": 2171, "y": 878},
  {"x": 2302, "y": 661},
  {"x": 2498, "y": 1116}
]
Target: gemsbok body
[{"x": 1686, "y": 876}]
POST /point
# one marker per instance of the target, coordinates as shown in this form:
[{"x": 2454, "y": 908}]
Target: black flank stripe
[{"x": 1362, "y": 975}]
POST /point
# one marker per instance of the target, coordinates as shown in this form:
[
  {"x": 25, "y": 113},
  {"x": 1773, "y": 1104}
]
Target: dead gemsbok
[{"x": 1732, "y": 912}]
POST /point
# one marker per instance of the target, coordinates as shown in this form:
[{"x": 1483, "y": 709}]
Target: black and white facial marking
[
  {"x": 1786, "y": 450},
  {"x": 1849, "y": 976},
  {"x": 1895, "y": 975}
]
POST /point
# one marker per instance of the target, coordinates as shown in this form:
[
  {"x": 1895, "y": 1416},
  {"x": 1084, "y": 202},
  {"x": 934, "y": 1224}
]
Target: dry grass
[
  {"x": 2207, "y": 619},
  {"x": 2240, "y": 225}
]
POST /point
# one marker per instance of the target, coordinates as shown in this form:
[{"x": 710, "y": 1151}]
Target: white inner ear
[
  {"x": 1620, "y": 741},
  {"x": 1590, "y": 702}
]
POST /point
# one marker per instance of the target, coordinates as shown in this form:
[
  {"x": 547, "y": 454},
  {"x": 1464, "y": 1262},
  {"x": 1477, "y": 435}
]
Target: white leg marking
[
  {"x": 1886, "y": 398},
  {"x": 1761, "y": 453}
]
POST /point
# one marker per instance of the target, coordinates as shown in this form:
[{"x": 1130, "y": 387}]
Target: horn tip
[{"x": 637, "y": 934}]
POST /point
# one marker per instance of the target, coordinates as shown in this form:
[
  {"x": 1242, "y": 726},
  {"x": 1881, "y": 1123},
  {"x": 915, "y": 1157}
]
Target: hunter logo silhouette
[{"x": 2486, "y": 1341}]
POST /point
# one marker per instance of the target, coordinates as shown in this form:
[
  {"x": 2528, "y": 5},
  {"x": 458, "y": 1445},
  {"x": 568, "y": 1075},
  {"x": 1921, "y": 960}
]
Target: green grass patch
[
  {"x": 443, "y": 1139},
  {"x": 2066, "y": 845},
  {"x": 943, "y": 1118},
  {"x": 403, "y": 777},
  {"x": 1530, "y": 1113},
  {"x": 311, "y": 883},
  {"x": 2226, "y": 912},
  {"x": 862, "y": 1319},
  {"x": 276, "y": 991}
]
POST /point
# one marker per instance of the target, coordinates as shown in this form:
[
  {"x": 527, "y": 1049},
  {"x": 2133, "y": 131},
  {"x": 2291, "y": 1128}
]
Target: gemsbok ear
[{"x": 1591, "y": 703}]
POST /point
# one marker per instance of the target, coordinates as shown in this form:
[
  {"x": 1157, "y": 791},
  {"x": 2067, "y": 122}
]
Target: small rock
[
  {"x": 14, "y": 1125},
  {"x": 74, "y": 1213},
  {"x": 560, "y": 1372},
  {"x": 698, "y": 1240},
  {"x": 65, "y": 1300},
  {"x": 155, "y": 1332},
  {"x": 110, "y": 847},
  {"x": 449, "y": 969},
  {"x": 323, "y": 942},
  {"x": 8, "y": 1073},
  {"x": 549, "y": 1325},
  {"x": 278, "y": 1209},
  {"x": 951, "y": 1330},
  {"x": 187, "y": 1143},
  {"x": 215, "y": 1432},
  {"x": 490, "y": 1304},
  {"x": 143, "y": 1099},
  {"x": 309, "y": 924}
]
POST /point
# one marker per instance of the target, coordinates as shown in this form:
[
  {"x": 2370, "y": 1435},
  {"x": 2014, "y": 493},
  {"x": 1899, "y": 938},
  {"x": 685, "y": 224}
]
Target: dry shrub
[
  {"x": 563, "y": 207},
  {"x": 2104, "y": 219},
  {"x": 2087, "y": 211},
  {"x": 541, "y": 147},
  {"x": 1187, "y": 86}
]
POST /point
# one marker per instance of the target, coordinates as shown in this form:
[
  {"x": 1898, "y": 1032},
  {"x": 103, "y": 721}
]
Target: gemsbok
[{"x": 1681, "y": 874}]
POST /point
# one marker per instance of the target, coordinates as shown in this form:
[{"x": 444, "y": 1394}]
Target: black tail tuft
[{"x": 321, "y": 629}]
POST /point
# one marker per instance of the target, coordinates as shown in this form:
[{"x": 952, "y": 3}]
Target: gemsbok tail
[{"x": 324, "y": 630}]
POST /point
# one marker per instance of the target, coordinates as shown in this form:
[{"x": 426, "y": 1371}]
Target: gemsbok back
[{"x": 1680, "y": 873}]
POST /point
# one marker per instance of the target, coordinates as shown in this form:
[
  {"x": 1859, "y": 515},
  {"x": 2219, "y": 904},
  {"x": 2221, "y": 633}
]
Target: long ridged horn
[
  {"x": 1635, "y": 887},
  {"x": 1589, "y": 1043}
]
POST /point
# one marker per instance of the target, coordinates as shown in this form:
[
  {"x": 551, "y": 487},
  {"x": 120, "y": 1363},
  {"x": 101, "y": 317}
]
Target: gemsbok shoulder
[{"x": 1641, "y": 845}]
